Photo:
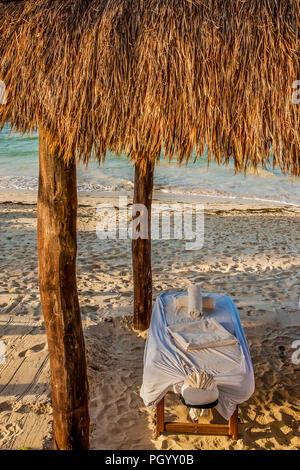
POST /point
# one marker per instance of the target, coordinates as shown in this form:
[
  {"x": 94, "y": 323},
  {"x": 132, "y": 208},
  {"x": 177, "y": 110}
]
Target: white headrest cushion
[{"x": 198, "y": 396}]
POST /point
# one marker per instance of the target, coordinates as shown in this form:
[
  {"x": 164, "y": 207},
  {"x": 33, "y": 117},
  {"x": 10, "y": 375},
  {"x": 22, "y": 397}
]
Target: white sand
[{"x": 253, "y": 256}]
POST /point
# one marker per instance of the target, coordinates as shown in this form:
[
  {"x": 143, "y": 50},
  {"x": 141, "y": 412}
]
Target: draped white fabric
[{"x": 178, "y": 345}]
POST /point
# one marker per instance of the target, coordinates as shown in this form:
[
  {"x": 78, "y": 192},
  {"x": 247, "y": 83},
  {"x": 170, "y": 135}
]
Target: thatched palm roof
[{"x": 142, "y": 76}]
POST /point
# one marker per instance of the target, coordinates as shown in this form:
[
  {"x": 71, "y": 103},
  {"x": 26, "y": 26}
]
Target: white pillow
[{"x": 197, "y": 396}]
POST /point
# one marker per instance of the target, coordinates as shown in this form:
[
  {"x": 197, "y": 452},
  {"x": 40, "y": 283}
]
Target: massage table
[{"x": 167, "y": 363}]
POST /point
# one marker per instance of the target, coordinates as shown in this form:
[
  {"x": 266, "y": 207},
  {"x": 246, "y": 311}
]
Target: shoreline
[{"x": 211, "y": 204}]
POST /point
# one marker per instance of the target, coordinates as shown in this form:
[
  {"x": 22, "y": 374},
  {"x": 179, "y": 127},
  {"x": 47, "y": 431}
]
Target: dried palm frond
[{"x": 150, "y": 76}]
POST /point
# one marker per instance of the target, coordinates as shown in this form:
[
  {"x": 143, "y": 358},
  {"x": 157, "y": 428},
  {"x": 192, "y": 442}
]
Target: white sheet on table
[{"x": 166, "y": 364}]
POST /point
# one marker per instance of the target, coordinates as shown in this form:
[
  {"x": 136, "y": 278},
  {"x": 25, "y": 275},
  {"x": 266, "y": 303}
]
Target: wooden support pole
[
  {"x": 160, "y": 418},
  {"x": 233, "y": 425},
  {"x": 141, "y": 252},
  {"x": 57, "y": 213}
]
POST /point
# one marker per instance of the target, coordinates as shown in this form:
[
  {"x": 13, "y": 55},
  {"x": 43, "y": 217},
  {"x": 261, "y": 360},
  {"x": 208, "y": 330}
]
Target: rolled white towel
[
  {"x": 194, "y": 301},
  {"x": 208, "y": 303}
]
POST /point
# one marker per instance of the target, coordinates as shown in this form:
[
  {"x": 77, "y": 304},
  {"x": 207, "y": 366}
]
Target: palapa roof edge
[{"x": 146, "y": 76}]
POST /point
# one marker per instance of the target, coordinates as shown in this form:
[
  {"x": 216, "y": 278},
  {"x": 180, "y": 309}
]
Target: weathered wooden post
[
  {"x": 57, "y": 213},
  {"x": 141, "y": 251}
]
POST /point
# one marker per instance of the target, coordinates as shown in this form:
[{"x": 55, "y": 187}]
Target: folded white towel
[
  {"x": 196, "y": 413},
  {"x": 208, "y": 303},
  {"x": 199, "y": 380},
  {"x": 201, "y": 334}
]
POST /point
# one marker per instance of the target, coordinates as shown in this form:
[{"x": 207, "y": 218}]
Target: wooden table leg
[
  {"x": 233, "y": 425},
  {"x": 160, "y": 418}
]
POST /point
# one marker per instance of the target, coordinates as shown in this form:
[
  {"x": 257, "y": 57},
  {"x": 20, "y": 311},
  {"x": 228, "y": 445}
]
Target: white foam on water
[{"x": 19, "y": 171}]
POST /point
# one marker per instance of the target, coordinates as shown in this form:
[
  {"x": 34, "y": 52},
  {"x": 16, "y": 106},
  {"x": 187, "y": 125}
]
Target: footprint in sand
[
  {"x": 34, "y": 349},
  {"x": 7, "y": 430}
]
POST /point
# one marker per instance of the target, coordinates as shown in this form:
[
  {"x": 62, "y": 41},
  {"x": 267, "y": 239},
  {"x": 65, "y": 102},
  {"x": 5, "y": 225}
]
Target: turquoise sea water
[{"x": 19, "y": 171}]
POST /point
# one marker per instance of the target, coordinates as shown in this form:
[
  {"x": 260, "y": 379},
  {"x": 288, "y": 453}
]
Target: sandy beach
[{"x": 251, "y": 253}]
